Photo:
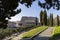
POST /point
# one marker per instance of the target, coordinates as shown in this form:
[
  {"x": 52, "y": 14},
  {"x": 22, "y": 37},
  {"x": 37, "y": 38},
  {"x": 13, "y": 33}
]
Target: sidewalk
[
  {"x": 18, "y": 37},
  {"x": 45, "y": 35}
]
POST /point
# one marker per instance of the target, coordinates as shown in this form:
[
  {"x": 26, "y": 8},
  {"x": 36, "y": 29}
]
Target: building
[
  {"x": 25, "y": 21},
  {"x": 28, "y": 21},
  {"x": 18, "y": 24},
  {"x": 11, "y": 24}
]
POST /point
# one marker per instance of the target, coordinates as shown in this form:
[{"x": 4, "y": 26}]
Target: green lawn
[
  {"x": 33, "y": 32},
  {"x": 56, "y": 33},
  {"x": 57, "y": 30}
]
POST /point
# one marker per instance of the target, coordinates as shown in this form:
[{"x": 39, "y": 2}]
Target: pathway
[
  {"x": 15, "y": 36},
  {"x": 44, "y": 35},
  {"x": 18, "y": 37}
]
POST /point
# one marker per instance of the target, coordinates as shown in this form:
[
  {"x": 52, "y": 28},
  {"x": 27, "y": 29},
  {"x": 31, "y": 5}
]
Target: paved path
[
  {"x": 18, "y": 37},
  {"x": 45, "y": 35},
  {"x": 15, "y": 36}
]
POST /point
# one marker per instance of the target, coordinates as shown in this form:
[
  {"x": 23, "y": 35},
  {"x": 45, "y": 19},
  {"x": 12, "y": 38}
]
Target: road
[{"x": 45, "y": 35}]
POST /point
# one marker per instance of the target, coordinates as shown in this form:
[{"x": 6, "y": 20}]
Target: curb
[
  {"x": 38, "y": 33},
  {"x": 31, "y": 38}
]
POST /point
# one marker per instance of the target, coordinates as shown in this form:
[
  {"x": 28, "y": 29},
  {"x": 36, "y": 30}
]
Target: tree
[
  {"x": 51, "y": 20},
  {"x": 7, "y": 9},
  {"x": 41, "y": 20},
  {"x": 57, "y": 20},
  {"x": 45, "y": 18},
  {"x": 36, "y": 21},
  {"x": 48, "y": 21},
  {"x": 50, "y": 3}
]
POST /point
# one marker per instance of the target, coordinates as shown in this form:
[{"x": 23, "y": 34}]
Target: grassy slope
[
  {"x": 56, "y": 33},
  {"x": 57, "y": 30},
  {"x": 33, "y": 31}
]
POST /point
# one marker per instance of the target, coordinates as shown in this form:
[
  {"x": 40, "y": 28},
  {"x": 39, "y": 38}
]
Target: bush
[{"x": 9, "y": 31}]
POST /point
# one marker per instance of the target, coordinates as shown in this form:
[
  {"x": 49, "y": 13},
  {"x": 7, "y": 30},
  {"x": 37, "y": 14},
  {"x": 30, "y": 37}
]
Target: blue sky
[{"x": 33, "y": 11}]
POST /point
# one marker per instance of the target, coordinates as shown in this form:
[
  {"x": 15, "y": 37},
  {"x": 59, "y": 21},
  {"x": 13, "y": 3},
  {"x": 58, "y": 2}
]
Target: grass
[
  {"x": 53, "y": 31},
  {"x": 33, "y": 32},
  {"x": 57, "y": 30},
  {"x": 56, "y": 33}
]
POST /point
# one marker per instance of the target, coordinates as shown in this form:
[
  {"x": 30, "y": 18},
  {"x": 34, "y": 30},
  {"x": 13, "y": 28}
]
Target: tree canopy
[
  {"x": 7, "y": 9},
  {"x": 49, "y": 4}
]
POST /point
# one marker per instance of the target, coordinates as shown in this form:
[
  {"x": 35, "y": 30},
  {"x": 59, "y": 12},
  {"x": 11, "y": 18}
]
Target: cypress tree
[
  {"x": 57, "y": 20},
  {"x": 41, "y": 20},
  {"x": 45, "y": 18},
  {"x": 51, "y": 19},
  {"x": 48, "y": 21}
]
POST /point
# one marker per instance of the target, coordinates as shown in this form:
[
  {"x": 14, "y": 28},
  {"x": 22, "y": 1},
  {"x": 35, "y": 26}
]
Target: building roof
[{"x": 28, "y": 18}]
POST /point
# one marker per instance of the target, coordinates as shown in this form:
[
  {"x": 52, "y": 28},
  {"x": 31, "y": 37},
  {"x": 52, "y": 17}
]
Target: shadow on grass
[{"x": 55, "y": 37}]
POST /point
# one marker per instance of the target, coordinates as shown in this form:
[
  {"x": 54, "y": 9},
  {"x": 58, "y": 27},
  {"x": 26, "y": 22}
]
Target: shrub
[{"x": 9, "y": 31}]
